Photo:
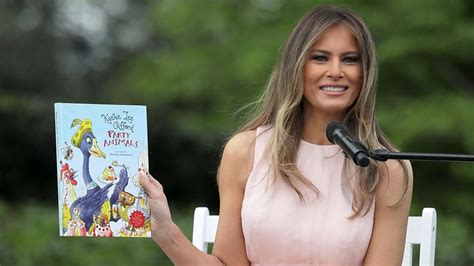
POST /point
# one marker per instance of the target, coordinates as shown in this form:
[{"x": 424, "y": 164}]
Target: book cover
[{"x": 100, "y": 150}]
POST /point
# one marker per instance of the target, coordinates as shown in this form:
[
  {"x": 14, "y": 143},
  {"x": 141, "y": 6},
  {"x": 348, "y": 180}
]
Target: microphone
[{"x": 337, "y": 133}]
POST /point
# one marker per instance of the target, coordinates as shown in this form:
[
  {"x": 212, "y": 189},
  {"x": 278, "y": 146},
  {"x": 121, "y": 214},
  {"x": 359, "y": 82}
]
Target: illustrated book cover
[{"x": 100, "y": 150}]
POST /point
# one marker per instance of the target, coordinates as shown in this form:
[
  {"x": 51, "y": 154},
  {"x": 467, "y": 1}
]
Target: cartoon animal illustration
[
  {"x": 142, "y": 165},
  {"x": 141, "y": 198},
  {"x": 68, "y": 176},
  {"x": 67, "y": 152},
  {"x": 90, "y": 204},
  {"x": 137, "y": 225},
  {"x": 115, "y": 163},
  {"x": 67, "y": 173},
  {"x": 66, "y": 217},
  {"x": 102, "y": 226},
  {"x": 108, "y": 175},
  {"x": 126, "y": 199},
  {"x": 133, "y": 209},
  {"x": 76, "y": 226}
]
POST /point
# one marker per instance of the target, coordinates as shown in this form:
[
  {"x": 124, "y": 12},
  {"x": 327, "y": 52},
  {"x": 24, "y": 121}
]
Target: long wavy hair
[{"x": 281, "y": 106}]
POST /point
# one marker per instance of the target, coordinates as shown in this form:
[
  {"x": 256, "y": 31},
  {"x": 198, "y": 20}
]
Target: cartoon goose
[{"x": 91, "y": 203}]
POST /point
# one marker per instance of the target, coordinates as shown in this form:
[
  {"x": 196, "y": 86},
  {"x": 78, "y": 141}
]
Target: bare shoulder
[
  {"x": 392, "y": 205},
  {"x": 396, "y": 180},
  {"x": 236, "y": 165},
  {"x": 240, "y": 144},
  {"x": 237, "y": 157}
]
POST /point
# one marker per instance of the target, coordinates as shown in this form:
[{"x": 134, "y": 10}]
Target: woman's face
[{"x": 333, "y": 73}]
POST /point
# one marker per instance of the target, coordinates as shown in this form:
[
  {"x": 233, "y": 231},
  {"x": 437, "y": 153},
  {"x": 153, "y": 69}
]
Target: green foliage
[
  {"x": 206, "y": 72},
  {"x": 30, "y": 236},
  {"x": 425, "y": 101},
  {"x": 201, "y": 61},
  {"x": 440, "y": 124}
]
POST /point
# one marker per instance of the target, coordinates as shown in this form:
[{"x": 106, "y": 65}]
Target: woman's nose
[{"x": 334, "y": 69}]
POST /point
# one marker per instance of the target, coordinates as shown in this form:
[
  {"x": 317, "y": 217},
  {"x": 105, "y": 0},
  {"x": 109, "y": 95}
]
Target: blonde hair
[{"x": 280, "y": 105}]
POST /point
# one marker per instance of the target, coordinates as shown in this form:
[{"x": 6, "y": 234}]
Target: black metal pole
[{"x": 383, "y": 155}]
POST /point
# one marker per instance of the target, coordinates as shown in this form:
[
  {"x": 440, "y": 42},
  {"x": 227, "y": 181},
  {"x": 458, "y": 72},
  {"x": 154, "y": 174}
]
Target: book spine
[{"x": 58, "y": 123}]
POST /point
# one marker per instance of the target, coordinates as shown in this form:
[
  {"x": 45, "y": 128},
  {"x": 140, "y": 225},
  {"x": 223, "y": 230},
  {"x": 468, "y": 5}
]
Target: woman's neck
[{"x": 314, "y": 126}]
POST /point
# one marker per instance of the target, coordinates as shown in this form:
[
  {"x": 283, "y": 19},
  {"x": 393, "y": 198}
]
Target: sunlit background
[{"x": 194, "y": 63}]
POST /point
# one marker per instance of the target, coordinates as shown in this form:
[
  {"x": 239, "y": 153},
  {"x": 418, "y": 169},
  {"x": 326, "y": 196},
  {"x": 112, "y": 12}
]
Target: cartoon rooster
[{"x": 68, "y": 176}]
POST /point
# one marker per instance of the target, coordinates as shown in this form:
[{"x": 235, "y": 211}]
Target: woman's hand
[
  {"x": 165, "y": 233},
  {"x": 160, "y": 211}
]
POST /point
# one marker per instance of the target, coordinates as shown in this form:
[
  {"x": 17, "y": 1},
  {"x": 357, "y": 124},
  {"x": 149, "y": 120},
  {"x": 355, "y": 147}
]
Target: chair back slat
[{"x": 421, "y": 230}]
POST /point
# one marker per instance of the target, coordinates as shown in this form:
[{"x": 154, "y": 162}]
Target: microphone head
[
  {"x": 361, "y": 159},
  {"x": 332, "y": 127}
]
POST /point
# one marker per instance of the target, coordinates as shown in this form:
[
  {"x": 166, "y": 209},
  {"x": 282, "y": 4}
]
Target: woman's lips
[{"x": 333, "y": 90}]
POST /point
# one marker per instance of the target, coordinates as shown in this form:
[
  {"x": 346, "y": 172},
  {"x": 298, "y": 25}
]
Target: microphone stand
[
  {"x": 353, "y": 149},
  {"x": 383, "y": 155}
]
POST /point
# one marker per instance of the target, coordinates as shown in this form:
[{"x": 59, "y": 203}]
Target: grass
[{"x": 30, "y": 237}]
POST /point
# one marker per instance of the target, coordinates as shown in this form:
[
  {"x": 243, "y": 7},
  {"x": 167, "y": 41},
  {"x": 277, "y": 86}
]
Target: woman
[{"x": 287, "y": 196}]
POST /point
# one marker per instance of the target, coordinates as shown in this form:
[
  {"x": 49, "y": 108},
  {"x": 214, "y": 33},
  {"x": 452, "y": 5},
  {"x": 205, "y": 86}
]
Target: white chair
[
  {"x": 421, "y": 230},
  {"x": 204, "y": 228}
]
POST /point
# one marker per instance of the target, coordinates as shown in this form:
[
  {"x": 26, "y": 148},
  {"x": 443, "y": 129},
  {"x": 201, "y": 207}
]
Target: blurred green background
[{"x": 194, "y": 63}]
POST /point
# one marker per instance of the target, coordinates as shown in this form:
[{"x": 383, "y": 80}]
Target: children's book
[{"x": 100, "y": 150}]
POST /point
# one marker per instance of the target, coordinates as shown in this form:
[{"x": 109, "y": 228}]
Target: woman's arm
[
  {"x": 229, "y": 247},
  {"x": 390, "y": 222},
  {"x": 165, "y": 232},
  {"x": 236, "y": 165}
]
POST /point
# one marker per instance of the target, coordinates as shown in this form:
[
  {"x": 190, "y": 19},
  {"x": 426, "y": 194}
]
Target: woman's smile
[
  {"x": 333, "y": 73},
  {"x": 333, "y": 89}
]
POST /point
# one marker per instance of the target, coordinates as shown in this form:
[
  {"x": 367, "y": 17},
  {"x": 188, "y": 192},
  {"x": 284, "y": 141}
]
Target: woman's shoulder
[
  {"x": 397, "y": 181},
  {"x": 240, "y": 151},
  {"x": 237, "y": 159},
  {"x": 241, "y": 145}
]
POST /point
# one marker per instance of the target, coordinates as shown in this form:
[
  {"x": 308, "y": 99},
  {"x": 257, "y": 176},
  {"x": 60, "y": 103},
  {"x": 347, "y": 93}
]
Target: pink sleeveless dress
[{"x": 281, "y": 229}]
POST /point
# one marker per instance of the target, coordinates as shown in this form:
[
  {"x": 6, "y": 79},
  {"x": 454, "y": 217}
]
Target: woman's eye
[
  {"x": 321, "y": 58},
  {"x": 351, "y": 59}
]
